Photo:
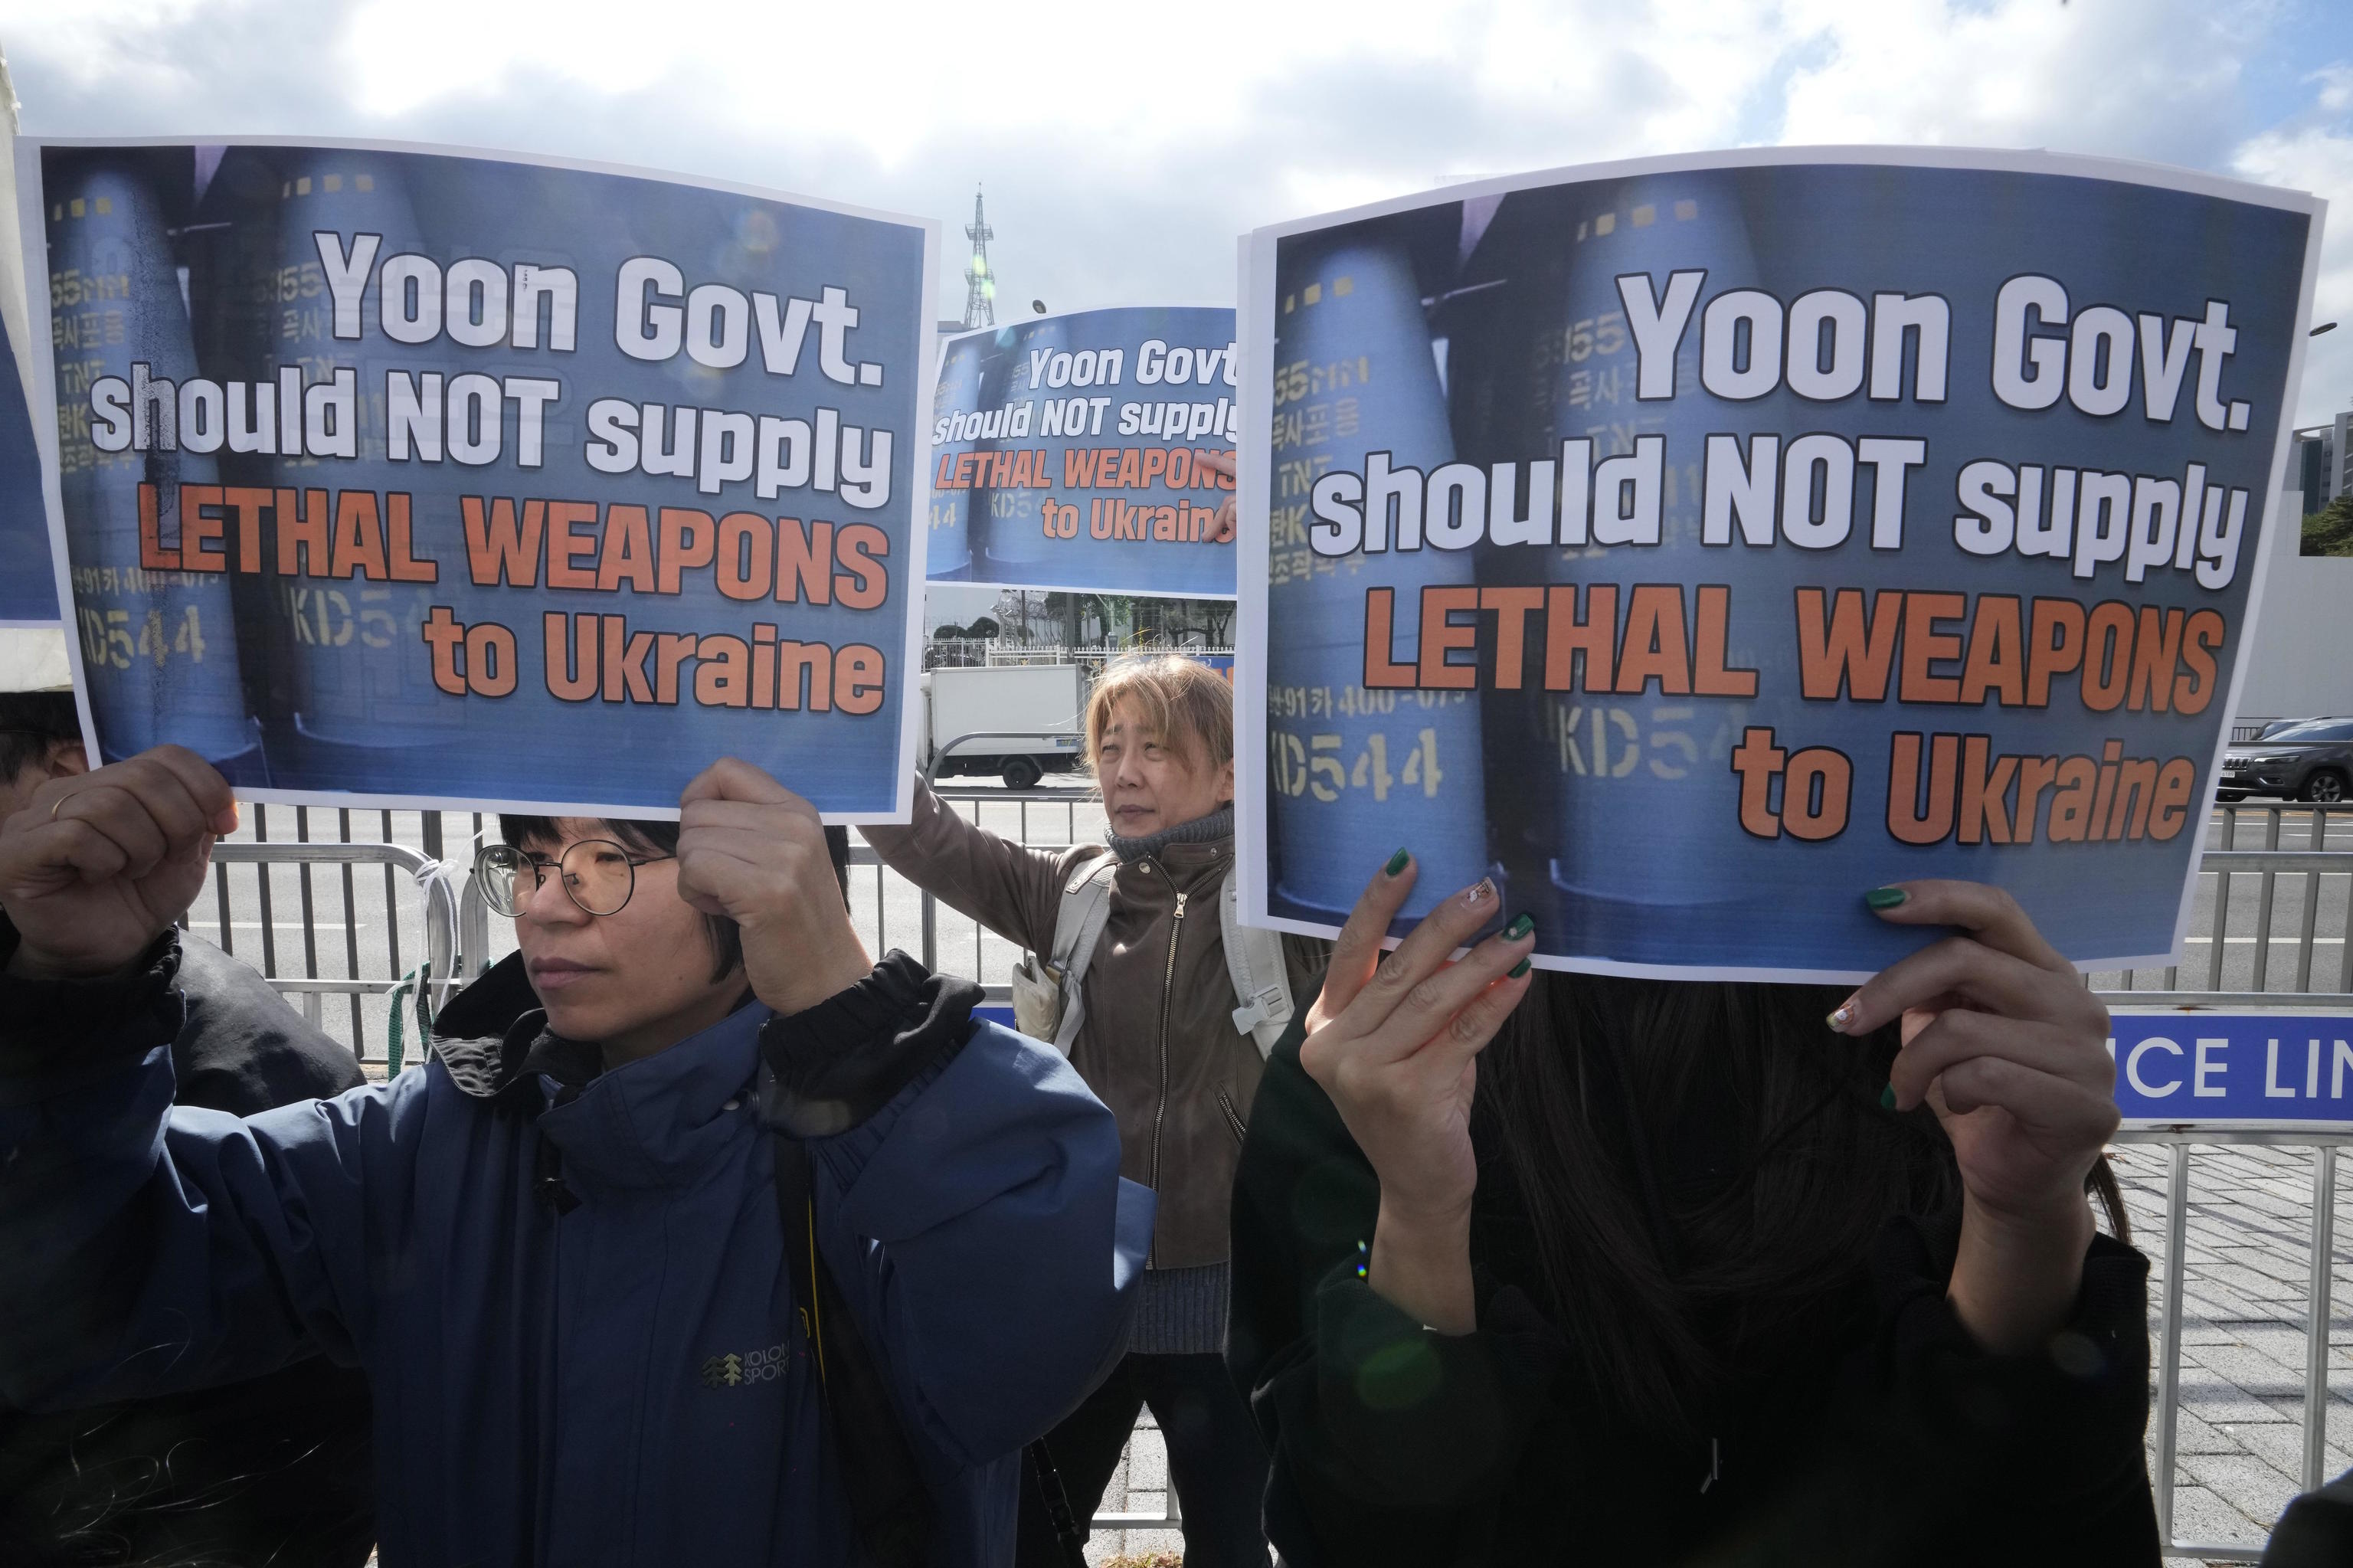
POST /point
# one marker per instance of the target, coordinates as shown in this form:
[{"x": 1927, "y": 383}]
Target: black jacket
[
  {"x": 1881, "y": 1435},
  {"x": 2317, "y": 1530},
  {"x": 277, "y": 1470}
]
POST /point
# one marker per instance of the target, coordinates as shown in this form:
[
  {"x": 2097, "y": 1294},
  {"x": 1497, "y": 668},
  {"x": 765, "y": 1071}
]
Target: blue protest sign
[
  {"x": 386, "y": 475},
  {"x": 1068, "y": 453},
  {"x": 1710, "y": 541},
  {"x": 2258, "y": 1069},
  {"x": 28, "y": 581}
]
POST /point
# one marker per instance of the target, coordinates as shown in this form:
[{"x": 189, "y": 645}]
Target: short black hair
[
  {"x": 661, "y": 838},
  {"x": 33, "y": 725}
]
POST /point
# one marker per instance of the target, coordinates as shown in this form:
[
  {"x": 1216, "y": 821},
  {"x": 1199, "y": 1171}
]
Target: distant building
[{"x": 2323, "y": 463}]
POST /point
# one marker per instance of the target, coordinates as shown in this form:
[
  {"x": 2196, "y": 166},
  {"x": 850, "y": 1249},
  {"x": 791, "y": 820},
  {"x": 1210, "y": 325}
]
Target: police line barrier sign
[
  {"x": 383, "y": 475},
  {"x": 2261, "y": 1069},
  {"x": 1073, "y": 453},
  {"x": 1697, "y": 544}
]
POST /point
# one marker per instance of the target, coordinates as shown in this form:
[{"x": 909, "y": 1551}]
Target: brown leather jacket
[{"x": 1158, "y": 1043}]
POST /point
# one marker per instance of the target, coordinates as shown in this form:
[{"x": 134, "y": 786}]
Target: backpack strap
[
  {"x": 1078, "y": 926},
  {"x": 892, "y": 1511},
  {"x": 1254, "y": 963},
  {"x": 1046, "y": 1483}
]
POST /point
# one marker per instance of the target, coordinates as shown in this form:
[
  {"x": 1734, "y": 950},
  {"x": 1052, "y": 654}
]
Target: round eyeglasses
[{"x": 597, "y": 874}]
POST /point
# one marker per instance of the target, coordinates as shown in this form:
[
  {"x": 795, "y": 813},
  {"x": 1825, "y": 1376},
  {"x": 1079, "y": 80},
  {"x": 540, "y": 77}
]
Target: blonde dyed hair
[{"x": 1186, "y": 706}]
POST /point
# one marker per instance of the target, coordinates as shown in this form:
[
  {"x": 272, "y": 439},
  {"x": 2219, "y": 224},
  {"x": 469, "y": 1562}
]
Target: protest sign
[
  {"x": 1067, "y": 453},
  {"x": 383, "y": 475},
  {"x": 1697, "y": 544},
  {"x": 28, "y": 581},
  {"x": 2279, "y": 1070}
]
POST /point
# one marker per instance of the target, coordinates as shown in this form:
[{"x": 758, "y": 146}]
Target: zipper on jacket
[
  {"x": 1167, "y": 989},
  {"x": 1233, "y": 1116}
]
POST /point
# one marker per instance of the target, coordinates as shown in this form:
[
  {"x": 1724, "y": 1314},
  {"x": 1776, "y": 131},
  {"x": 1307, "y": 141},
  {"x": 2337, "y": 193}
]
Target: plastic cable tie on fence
[
  {"x": 415, "y": 982},
  {"x": 441, "y": 883}
]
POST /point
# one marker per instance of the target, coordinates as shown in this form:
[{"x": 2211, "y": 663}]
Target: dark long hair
[
  {"x": 33, "y": 725},
  {"x": 1659, "y": 1284}
]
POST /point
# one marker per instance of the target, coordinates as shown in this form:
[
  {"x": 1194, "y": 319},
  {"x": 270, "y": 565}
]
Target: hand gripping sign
[
  {"x": 384, "y": 475},
  {"x": 1696, "y": 543}
]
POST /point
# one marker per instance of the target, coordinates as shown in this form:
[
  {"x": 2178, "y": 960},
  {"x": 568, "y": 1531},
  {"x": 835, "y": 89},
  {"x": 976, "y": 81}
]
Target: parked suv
[{"x": 2310, "y": 759}]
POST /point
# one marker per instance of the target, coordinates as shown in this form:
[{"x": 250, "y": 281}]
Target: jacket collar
[
  {"x": 1188, "y": 863},
  {"x": 1218, "y": 825},
  {"x": 656, "y": 1122},
  {"x": 484, "y": 1032},
  {"x": 488, "y": 1003}
]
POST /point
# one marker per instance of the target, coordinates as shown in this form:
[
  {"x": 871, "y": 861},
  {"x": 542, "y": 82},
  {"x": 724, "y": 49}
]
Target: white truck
[{"x": 1025, "y": 721}]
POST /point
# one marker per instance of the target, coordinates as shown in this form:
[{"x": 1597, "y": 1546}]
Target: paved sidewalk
[
  {"x": 2243, "y": 1323},
  {"x": 1140, "y": 1485}
]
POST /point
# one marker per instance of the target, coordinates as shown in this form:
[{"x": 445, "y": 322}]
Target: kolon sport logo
[{"x": 730, "y": 1370}]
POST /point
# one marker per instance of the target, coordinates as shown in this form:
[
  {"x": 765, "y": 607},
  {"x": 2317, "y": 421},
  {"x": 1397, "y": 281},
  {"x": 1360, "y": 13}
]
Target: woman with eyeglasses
[
  {"x": 597, "y": 971},
  {"x": 736, "y": 1247}
]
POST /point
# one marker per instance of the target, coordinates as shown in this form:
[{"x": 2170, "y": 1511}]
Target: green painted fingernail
[
  {"x": 1396, "y": 862},
  {"x": 1517, "y": 970},
  {"x": 1885, "y": 898},
  {"x": 1520, "y": 926},
  {"x": 1887, "y": 1098}
]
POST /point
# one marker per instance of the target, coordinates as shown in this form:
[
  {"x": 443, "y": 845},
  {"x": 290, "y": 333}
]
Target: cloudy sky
[{"x": 1123, "y": 147}]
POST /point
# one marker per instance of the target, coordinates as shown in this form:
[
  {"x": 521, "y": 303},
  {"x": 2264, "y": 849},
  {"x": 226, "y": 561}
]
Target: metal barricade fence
[
  {"x": 2172, "y": 1276},
  {"x": 1044, "y": 818},
  {"x": 2243, "y": 914},
  {"x": 2238, "y": 886},
  {"x": 322, "y": 914},
  {"x": 335, "y": 895}
]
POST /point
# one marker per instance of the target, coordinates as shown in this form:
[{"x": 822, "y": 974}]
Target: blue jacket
[{"x": 567, "y": 1289}]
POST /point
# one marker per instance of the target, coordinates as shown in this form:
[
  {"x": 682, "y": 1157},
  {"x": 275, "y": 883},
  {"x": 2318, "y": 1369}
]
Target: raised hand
[
  {"x": 752, "y": 850},
  {"x": 2003, "y": 1041},
  {"x": 1396, "y": 1041},
  {"x": 1221, "y": 528},
  {"x": 95, "y": 868}
]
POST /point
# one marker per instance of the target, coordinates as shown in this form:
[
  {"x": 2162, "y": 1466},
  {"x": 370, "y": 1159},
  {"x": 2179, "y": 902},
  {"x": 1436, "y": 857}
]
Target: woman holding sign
[
  {"x": 736, "y": 1247},
  {"x": 1677, "y": 1272},
  {"x": 1167, "y": 1006}
]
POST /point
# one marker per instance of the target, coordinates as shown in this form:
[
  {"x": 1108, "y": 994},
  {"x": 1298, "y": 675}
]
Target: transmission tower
[{"x": 980, "y": 295}]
